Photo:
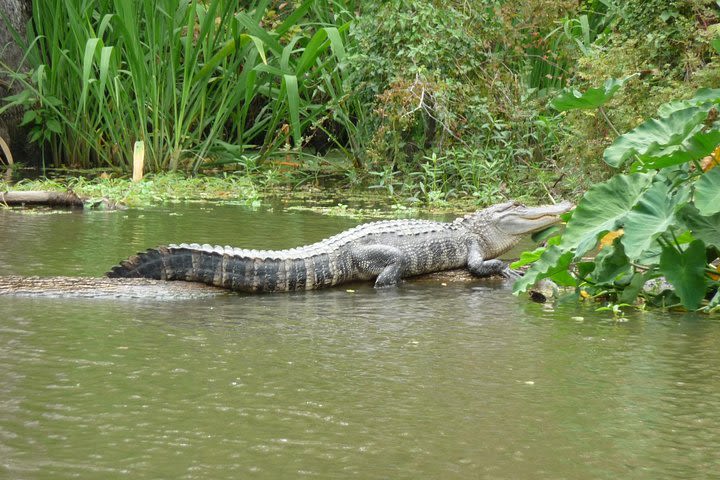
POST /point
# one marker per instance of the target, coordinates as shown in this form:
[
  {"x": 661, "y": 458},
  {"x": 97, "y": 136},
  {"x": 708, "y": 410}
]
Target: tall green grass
[{"x": 196, "y": 81}]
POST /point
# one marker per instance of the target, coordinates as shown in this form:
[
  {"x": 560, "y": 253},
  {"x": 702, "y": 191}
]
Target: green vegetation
[
  {"x": 661, "y": 220},
  {"x": 424, "y": 100},
  {"x": 196, "y": 81},
  {"x": 154, "y": 189}
]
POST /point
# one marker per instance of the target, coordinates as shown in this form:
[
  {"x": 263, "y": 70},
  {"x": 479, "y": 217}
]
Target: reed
[{"x": 195, "y": 81}]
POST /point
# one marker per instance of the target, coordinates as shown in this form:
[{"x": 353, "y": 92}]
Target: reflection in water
[{"x": 422, "y": 381}]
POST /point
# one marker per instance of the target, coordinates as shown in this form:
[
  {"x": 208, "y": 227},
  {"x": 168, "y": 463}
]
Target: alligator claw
[{"x": 511, "y": 274}]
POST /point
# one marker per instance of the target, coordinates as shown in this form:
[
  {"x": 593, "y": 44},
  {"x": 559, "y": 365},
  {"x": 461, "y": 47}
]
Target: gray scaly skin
[{"x": 386, "y": 251}]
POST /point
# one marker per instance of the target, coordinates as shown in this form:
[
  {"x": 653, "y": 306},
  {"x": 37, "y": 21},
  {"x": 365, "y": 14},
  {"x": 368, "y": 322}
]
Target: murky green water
[{"x": 423, "y": 381}]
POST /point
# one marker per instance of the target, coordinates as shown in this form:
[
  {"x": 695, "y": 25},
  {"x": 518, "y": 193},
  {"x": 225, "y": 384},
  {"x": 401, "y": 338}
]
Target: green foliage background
[{"x": 425, "y": 99}]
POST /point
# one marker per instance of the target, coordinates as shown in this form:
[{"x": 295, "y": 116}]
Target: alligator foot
[{"x": 488, "y": 268}]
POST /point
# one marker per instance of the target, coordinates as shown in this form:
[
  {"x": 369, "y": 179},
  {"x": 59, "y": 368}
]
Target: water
[{"x": 423, "y": 381}]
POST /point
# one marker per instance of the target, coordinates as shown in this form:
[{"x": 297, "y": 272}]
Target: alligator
[{"x": 386, "y": 251}]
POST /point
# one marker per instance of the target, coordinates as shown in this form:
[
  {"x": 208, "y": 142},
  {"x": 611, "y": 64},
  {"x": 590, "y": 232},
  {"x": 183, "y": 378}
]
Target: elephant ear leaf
[
  {"x": 706, "y": 97},
  {"x": 553, "y": 264},
  {"x": 603, "y": 208},
  {"x": 652, "y": 215},
  {"x": 572, "y": 99},
  {"x": 657, "y": 139},
  {"x": 707, "y": 193},
  {"x": 686, "y": 272},
  {"x": 703, "y": 227}
]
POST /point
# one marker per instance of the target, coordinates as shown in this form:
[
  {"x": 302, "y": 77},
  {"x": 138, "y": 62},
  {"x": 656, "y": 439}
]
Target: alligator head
[{"x": 499, "y": 227}]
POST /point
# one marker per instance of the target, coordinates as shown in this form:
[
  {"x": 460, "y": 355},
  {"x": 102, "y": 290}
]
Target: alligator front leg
[
  {"x": 486, "y": 268},
  {"x": 383, "y": 261}
]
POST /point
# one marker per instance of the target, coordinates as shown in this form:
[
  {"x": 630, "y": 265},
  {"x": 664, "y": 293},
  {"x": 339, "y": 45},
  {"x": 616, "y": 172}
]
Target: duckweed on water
[
  {"x": 152, "y": 190},
  {"x": 239, "y": 190}
]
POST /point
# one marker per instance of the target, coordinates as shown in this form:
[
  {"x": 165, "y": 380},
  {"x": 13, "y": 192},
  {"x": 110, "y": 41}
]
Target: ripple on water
[{"x": 423, "y": 381}]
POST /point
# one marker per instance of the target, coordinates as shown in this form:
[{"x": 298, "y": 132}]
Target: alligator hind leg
[
  {"x": 486, "y": 268},
  {"x": 381, "y": 261}
]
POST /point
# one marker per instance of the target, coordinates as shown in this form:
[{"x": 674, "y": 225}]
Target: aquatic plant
[{"x": 658, "y": 220}]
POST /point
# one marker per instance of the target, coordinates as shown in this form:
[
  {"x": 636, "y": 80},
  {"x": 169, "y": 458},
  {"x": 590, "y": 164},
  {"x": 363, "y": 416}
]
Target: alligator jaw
[{"x": 521, "y": 220}]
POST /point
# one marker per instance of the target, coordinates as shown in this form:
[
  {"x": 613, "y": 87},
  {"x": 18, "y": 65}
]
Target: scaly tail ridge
[{"x": 223, "y": 267}]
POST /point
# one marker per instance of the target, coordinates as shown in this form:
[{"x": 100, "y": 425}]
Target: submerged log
[
  {"x": 34, "y": 197},
  {"x": 91, "y": 287},
  {"x": 54, "y": 199},
  {"x": 145, "y": 288}
]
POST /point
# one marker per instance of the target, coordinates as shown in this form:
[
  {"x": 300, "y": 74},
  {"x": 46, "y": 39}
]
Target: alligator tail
[{"x": 229, "y": 268}]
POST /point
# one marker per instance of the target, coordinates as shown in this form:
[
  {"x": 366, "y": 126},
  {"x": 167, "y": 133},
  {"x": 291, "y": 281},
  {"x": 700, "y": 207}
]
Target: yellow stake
[{"x": 138, "y": 161}]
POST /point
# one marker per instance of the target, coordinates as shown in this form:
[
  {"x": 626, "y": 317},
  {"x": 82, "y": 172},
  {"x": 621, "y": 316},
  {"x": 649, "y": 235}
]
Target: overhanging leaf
[
  {"x": 632, "y": 290},
  {"x": 704, "y": 97},
  {"x": 707, "y": 192},
  {"x": 553, "y": 261},
  {"x": 694, "y": 147},
  {"x": 705, "y": 228},
  {"x": 611, "y": 264},
  {"x": 655, "y": 135},
  {"x": 686, "y": 272},
  {"x": 592, "y": 98},
  {"x": 526, "y": 258},
  {"x": 653, "y": 215},
  {"x": 603, "y": 208}
]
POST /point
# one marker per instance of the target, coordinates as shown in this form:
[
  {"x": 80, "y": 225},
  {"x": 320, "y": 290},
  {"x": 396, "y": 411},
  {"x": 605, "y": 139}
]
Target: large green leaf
[
  {"x": 573, "y": 99},
  {"x": 707, "y": 192},
  {"x": 603, "y": 208},
  {"x": 552, "y": 262},
  {"x": 694, "y": 147},
  {"x": 686, "y": 272},
  {"x": 705, "y": 228},
  {"x": 653, "y": 215},
  {"x": 705, "y": 97},
  {"x": 611, "y": 264},
  {"x": 630, "y": 293},
  {"x": 654, "y": 137}
]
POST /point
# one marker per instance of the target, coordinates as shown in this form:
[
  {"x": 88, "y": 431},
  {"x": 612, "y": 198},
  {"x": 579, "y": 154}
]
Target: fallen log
[
  {"x": 34, "y": 197},
  {"x": 55, "y": 199},
  {"x": 100, "y": 287}
]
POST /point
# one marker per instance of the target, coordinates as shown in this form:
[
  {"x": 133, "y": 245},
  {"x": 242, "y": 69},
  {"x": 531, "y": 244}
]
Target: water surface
[{"x": 422, "y": 381}]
